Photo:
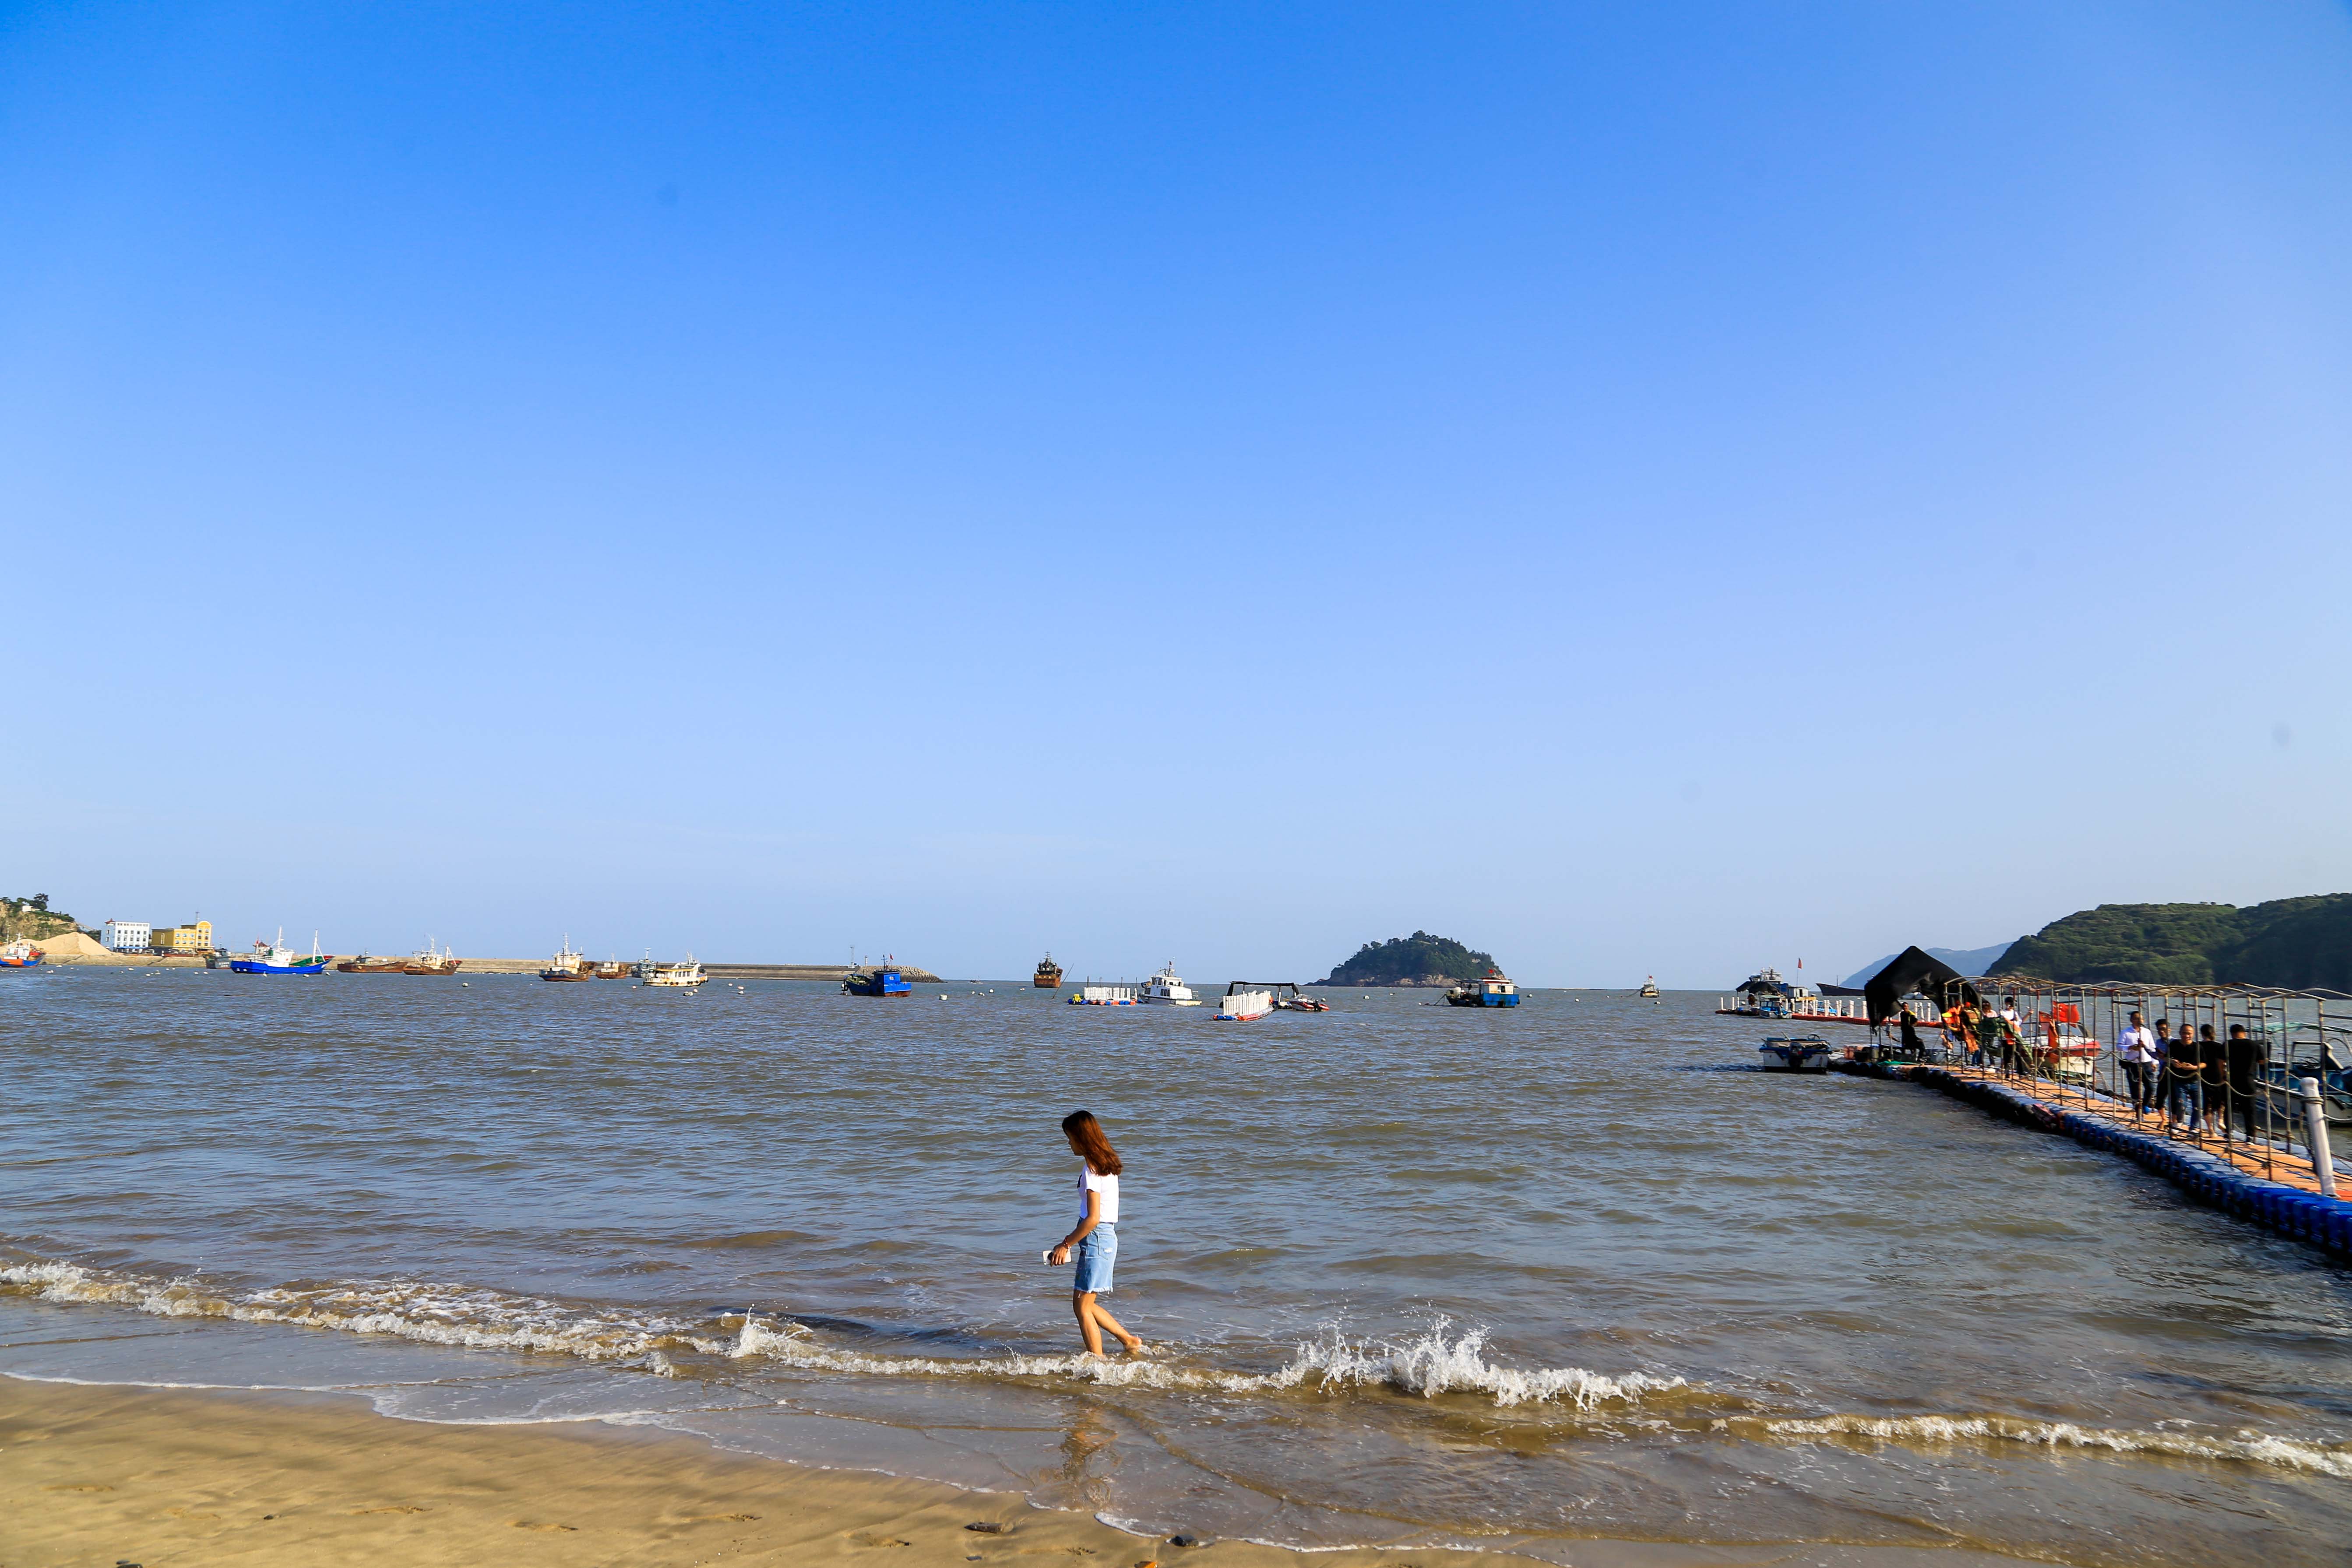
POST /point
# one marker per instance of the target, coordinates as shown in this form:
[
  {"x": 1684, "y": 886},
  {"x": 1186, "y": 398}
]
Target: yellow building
[{"x": 194, "y": 938}]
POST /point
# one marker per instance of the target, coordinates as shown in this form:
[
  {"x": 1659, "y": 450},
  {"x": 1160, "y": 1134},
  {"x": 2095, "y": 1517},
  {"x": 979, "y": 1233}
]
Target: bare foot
[{"x": 1133, "y": 1346}]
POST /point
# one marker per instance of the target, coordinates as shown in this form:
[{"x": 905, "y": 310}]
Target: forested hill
[
  {"x": 32, "y": 919},
  {"x": 1420, "y": 959},
  {"x": 2294, "y": 942}
]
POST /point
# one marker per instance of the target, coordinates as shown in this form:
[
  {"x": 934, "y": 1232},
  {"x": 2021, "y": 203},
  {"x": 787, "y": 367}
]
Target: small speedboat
[{"x": 1805, "y": 1052}]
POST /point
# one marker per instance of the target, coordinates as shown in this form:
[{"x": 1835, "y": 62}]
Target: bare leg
[
  {"x": 1082, "y": 1302},
  {"x": 1105, "y": 1320}
]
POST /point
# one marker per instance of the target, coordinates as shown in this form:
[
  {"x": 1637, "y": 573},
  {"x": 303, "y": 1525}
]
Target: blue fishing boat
[
  {"x": 881, "y": 980},
  {"x": 277, "y": 958},
  {"x": 1492, "y": 992}
]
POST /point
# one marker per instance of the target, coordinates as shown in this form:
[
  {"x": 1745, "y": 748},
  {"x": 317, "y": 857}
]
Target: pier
[{"x": 2277, "y": 1171}]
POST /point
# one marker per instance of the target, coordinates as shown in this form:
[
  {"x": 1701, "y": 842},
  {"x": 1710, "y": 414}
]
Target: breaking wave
[
  {"x": 434, "y": 1314},
  {"x": 1430, "y": 1366},
  {"x": 1434, "y": 1363},
  {"x": 2244, "y": 1447}
]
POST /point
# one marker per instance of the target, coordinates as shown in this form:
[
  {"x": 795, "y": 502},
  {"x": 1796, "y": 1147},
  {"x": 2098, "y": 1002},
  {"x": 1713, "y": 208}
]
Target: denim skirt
[{"x": 1093, "y": 1255}]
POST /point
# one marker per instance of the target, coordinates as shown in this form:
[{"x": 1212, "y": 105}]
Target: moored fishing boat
[
  {"x": 277, "y": 958},
  {"x": 1049, "y": 976},
  {"x": 614, "y": 969},
  {"x": 684, "y": 976},
  {"x": 1649, "y": 987},
  {"x": 1167, "y": 991},
  {"x": 363, "y": 964},
  {"x": 566, "y": 965},
  {"x": 875, "y": 980},
  {"x": 428, "y": 960},
  {"x": 21, "y": 955},
  {"x": 1493, "y": 991}
]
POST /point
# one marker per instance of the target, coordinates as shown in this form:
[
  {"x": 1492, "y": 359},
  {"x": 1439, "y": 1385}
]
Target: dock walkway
[{"x": 2264, "y": 1182}]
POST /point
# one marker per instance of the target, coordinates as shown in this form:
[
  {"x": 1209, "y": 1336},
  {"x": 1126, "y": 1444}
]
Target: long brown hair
[{"x": 1093, "y": 1142}]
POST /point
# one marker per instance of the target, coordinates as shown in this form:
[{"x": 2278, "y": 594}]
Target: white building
[{"x": 127, "y": 936}]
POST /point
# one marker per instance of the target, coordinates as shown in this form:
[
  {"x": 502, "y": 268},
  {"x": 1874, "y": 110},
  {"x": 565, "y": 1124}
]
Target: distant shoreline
[{"x": 834, "y": 973}]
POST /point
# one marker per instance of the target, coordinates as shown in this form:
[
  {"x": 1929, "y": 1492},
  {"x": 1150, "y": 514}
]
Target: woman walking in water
[{"x": 1095, "y": 1238}]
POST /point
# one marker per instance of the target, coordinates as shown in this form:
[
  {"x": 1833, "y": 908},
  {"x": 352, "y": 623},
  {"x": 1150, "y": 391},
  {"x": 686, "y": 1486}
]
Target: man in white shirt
[{"x": 2136, "y": 1048}]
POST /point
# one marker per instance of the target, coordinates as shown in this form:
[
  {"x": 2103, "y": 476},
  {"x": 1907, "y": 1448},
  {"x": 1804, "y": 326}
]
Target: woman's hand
[{"x": 1060, "y": 1255}]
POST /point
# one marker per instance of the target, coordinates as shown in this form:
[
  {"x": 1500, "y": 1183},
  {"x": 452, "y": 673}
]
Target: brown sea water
[{"x": 1522, "y": 1279}]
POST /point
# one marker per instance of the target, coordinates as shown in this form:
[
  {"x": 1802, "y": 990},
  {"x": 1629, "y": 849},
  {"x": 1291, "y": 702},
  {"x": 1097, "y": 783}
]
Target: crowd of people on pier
[{"x": 2195, "y": 1083}]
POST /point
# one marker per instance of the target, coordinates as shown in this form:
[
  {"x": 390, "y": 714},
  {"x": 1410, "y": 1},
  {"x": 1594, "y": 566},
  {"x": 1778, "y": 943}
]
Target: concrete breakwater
[{"x": 2287, "y": 1200}]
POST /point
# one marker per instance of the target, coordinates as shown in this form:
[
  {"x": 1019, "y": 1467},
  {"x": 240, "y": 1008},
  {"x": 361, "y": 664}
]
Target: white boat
[
  {"x": 1650, "y": 986},
  {"x": 1167, "y": 991},
  {"x": 1803, "y": 1054},
  {"x": 672, "y": 976}
]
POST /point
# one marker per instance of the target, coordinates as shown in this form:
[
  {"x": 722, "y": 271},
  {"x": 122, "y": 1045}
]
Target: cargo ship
[
  {"x": 21, "y": 955},
  {"x": 277, "y": 958},
  {"x": 1049, "y": 976}
]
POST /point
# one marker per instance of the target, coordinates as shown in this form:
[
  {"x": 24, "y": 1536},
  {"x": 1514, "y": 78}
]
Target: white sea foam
[
  {"x": 433, "y": 1314},
  {"x": 1437, "y": 1363},
  {"x": 1431, "y": 1365},
  {"x": 2245, "y": 1446}
]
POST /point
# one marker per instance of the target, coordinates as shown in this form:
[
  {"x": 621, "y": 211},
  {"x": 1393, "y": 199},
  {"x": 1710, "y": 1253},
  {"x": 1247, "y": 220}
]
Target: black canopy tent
[{"x": 1914, "y": 970}]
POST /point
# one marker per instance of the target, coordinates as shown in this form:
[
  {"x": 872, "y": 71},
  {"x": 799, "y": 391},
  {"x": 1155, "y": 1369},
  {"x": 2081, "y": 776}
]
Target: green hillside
[
  {"x": 1420, "y": 959},
  {"x": 2298, "y": 944},
  {"x": 32, "y": 919}
]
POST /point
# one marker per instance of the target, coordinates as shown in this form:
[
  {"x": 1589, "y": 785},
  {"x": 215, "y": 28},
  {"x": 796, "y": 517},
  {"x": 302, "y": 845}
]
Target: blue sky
[{"x": 1644, "y": 490}]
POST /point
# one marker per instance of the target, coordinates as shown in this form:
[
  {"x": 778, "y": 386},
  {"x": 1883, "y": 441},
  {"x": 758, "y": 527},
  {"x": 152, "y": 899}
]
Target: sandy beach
[{"x": 101, "y": 1476}]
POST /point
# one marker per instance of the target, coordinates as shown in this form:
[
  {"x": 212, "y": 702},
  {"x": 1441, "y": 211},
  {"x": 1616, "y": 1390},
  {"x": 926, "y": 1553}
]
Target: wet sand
[
  {"x": 111, "y": 1476},
  {"x": 108, "y": 1475}
]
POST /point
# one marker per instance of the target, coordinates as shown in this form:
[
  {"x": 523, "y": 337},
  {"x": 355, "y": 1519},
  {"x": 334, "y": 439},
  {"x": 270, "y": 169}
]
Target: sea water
[{"x": 1526, "y": 1279}]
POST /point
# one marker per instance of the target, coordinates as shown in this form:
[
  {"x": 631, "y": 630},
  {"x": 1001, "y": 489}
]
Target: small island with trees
[{"x": 1420, "y": 959}]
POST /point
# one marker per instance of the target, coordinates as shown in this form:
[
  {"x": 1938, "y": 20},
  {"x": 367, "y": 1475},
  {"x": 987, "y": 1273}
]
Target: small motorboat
[
  {"x": 1804, "y": 1053},
  {"x": 1649, "y": 987}
]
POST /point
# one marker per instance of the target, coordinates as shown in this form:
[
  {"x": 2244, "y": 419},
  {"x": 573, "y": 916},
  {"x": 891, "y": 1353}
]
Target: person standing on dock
[
  {"x": 2216, "y": 1080},
  {"x": 2244, "y": 1057},
  {"x": 2184, "y": 1069},
  {"x": 2136, "y": 1053}
]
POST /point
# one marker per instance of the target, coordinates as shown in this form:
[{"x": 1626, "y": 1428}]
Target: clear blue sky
[{"x": 1646, "y": 489}]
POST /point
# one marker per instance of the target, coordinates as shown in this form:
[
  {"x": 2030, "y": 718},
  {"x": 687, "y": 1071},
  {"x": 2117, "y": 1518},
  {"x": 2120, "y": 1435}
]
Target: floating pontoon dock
[{"x": 2278, "y": 1175}]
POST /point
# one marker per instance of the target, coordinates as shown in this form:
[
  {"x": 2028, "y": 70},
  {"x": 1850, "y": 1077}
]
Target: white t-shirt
[{"x": 1107, "y": 1185}]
